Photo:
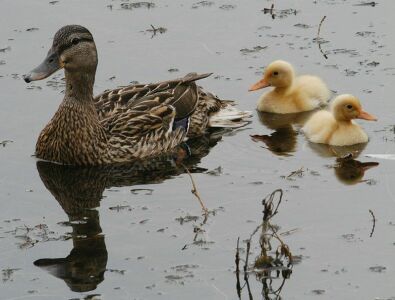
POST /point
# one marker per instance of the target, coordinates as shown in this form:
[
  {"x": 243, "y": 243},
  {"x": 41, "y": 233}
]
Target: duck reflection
[
  {"x": 283, "y": 140},
  {"x": 79, "y": 191}
]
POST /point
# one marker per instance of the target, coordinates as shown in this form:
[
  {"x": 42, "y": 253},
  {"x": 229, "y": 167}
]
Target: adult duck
[
  {"x": 291, "y": 94},
  {"x": 336, "y": 127},
  {"x": 124, "y": 124}
]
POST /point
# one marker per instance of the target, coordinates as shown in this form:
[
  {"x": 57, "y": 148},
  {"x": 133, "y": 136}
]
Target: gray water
[{"x": 141, "y": 235}]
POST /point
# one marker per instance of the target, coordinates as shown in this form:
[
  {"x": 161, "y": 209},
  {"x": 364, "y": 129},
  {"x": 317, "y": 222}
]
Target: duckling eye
[
  {"x": 275, "y": 73},
  {"x": 75, "y": 41},
  {"x": 349, "y": 106}
]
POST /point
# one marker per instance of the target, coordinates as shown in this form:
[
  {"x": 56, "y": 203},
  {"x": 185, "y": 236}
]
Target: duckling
[
  {"x": 291, "y": 94},
  {"x": 337, "y": 127}
]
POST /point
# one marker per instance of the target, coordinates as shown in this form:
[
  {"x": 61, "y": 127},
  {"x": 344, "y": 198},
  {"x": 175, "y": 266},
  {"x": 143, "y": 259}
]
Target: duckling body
[
  {"x": 337, "y": 127},
  {"x": 124, "y": 124},
  {"x": 291, "y": 94}
]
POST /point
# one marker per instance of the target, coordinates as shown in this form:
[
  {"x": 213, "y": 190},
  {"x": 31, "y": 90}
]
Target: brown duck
[{"x": 124, "y": 124}]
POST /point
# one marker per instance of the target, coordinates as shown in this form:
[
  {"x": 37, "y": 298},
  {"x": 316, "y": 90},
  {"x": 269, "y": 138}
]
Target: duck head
[
  {"x": 279, "y": 74},
  {"x": 73, "y": 49},
  {"x": 347, "y": 107}
]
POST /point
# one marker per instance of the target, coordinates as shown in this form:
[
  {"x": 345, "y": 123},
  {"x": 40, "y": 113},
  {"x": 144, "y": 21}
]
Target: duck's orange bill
[
  {"x": 366, "y": 116},
  {"x": 259, "y": 85}
]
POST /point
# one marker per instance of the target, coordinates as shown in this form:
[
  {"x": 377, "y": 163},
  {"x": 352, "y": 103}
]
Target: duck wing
[{"x": 181, "y": 93}]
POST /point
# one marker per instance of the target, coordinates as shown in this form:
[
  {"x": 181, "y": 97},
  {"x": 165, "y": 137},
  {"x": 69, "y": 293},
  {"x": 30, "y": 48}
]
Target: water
[{"x": 138, "y": 233}]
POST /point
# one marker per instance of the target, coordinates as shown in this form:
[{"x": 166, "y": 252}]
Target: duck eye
[
  {"x": 75, "y": 41},
  {"x": 349, "y": 106},
  {"x": 275, "y": 73}
]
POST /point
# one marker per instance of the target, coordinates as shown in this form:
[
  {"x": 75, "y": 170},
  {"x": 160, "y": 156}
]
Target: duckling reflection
[
  {"x": 283, "y": 140},
  {"x": 79, "y": 191},
  {"x": 324, "y": 150},
  {"x": 350, "y": 171}
]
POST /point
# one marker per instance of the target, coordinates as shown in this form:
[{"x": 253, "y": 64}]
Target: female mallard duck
[
  {"x": 290, "y": 94},
  {"x": 124, "y": 124},
  {"x": 337, "y": 127}
]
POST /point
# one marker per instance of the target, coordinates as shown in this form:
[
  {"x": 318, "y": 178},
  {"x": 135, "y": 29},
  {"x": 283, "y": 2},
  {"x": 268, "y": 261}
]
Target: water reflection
[
  {"x": 283, "y": 140},
  {"x": 274, "y": 263},
  {"x": 350, "y": 171},
  {"x": 324, "y": 150},
  {"x": 79, "y": 191}
]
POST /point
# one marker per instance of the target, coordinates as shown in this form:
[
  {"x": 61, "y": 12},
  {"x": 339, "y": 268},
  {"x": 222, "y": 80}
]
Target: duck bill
[
  {"x": 366, "y": 116},
  {"x": 49, "y": 66},
  {"x": 259, "y": 85}
]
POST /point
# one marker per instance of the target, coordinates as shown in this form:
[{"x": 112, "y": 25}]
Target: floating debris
[
  {"x": 120, "y": 272},
  {"x": 134, "y": 5},
  {"x": 7, "y": 274},
  {"x": 118, "y": 208},
  {"x": 350, "y": 52},
  {"x": 173, "y": 70},
  {"x": 5, "y": 142},
  {"x": 187, "y": 219},
  {"x": 202, "y": 4},
  {"x": 215, "y": 172},
  {"x": 138, "y": 191},
  {"x": 377, "y": 269},
  {"x": 280, "y": 13},
  {"x": 373, "y": 64},
  {"x": 372, "y": 4},
  {"x": 304, "y": 26},
  {"x": 365, "y": 33},
  {"x": 256, "y": 49},
  {"x": 6, "y": 49},
  {"x": 32, "y": 29},
  {"x": 227, "y": 7},
  {"x": 155, "y": 30}
]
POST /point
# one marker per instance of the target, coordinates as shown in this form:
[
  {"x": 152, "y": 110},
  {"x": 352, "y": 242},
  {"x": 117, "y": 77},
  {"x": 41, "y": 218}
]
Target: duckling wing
[
  {"x": 313, "y": 90},
  {"x": 320, "y": 127}
]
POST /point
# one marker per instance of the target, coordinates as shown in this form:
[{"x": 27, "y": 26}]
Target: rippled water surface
[{"x": 138, "y": 232}]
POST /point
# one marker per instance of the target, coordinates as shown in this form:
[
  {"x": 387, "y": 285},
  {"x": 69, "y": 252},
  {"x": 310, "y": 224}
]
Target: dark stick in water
[
  {"x": 374, "y": 222},
  {"x": 318, "y": 37}
]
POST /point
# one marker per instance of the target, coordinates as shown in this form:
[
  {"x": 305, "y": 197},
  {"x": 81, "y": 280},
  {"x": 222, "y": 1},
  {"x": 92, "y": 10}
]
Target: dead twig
[
  {"x": 318, "y": 39},
  {"x": 154, "y": 30},
  {"x": 195, "y": 192},
  {"x": 270, "y": 11},
  {"x": 374, "y": 222},
  {"x": 237, "y": 261}
]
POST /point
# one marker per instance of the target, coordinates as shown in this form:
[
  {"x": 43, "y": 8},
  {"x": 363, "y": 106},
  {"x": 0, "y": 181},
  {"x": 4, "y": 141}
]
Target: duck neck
[
  {"x": 282, "y": 90},
  {"x": 79, "y": 86}
]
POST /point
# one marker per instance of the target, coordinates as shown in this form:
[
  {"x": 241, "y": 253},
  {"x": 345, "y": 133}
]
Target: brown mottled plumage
[{"x": 124, "y": 124}]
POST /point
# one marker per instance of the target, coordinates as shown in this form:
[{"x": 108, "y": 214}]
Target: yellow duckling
[
  {"x": 337, "y": 127},
  {"x": 290, "y": 94}
]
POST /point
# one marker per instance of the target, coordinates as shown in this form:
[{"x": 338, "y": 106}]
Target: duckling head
[
  {"x": 73, "y": 49},
  {"x": 347, "y": 107},
  {"x": 277, "y": 74}
]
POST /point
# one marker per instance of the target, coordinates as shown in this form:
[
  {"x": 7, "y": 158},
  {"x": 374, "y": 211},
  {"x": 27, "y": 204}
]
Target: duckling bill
[
  {"x": 124, "y": 124},
  {"x": 291, "y": 94}
]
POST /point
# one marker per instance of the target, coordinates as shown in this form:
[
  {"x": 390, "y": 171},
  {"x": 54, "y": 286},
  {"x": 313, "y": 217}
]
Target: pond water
[{"x": 139, "y": 232}]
